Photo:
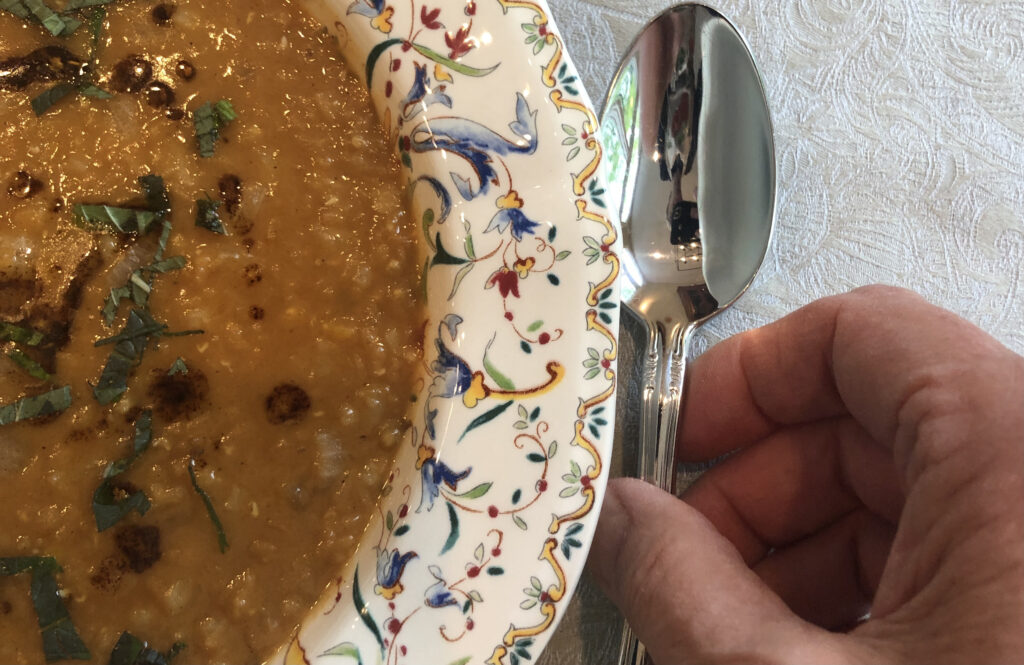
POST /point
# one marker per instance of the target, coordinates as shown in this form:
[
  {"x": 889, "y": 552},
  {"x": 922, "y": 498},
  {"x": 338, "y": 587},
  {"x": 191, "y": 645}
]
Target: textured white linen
[{"x": 899, "y": 130}]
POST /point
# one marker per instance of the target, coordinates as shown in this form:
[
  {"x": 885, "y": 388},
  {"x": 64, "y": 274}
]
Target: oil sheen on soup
[{"x": 210, "y": 319}]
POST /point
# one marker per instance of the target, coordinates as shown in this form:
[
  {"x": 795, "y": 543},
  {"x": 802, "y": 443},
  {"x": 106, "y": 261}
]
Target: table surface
[{"x": 899, "y": 129}]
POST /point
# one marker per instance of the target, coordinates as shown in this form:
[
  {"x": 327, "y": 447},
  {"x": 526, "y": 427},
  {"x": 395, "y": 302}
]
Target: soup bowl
[{"x": 485, "y": 522}]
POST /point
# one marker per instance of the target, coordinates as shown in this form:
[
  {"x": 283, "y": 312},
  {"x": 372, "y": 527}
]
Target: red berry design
[
  {"x": 387, "y": 89},
  {"x": 544, "y": 338},
  {"x": 585, "y": 481},
  {"x": 496, "y": 551},
  {"x": 473, "y": 571},
  {"x": 394, "y": 625},
  {"x": 469, "y": 624},
  {"x": 403, "y": 511},
  {"x": 606, "y": 363},
  {"x": 542, "y": 485},
  {"x": 508, "y": 315},
  {"x": 493, "y": 511}
]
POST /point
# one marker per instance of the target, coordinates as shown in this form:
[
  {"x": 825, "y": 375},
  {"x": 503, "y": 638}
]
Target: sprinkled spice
[
  {"x": 159, "y": 94},
  {"x": 230, "y": 187},
  {"x": 131, "y": 74},
  {"x": 185, "y": 70},
  {"x": 253, "y": 273},
  {"x": 162, "y": 13},
  {"x": 287, "y": 403},
  {"x": 256, "y": 313},
  {"x": 24, "y": 186}
]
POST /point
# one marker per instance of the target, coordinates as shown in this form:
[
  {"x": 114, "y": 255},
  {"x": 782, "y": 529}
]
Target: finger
[
  {"x": 795, "y": 482},
  {"x": 865, "y": 353},
  {"x": 830, "y": 578},
  {"x": 683, "y": 588}
]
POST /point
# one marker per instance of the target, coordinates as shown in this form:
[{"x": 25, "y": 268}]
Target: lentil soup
[{"x": 205, "y": 166}]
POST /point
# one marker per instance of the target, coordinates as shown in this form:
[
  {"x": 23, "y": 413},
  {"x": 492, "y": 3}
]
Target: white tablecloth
[{"x": 900, "y": 139}]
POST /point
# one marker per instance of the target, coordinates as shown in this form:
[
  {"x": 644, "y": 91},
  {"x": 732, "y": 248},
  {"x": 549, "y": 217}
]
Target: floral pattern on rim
[{"x": 445, "y": 521}]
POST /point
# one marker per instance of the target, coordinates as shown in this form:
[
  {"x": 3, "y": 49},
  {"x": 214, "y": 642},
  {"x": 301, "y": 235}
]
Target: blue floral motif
[
  {"x": 390, "y": 564},
  {"x": 438, "y": 595},
  {"x": 421, "y": 95},
  {"x": 476, "y": 143},
  {"x": 369, "y": 8},
  {"x": 433, "y": 473},
  {"x": 512, "y": 216}
]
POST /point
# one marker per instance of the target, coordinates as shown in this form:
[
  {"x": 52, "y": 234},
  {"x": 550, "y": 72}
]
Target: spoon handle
[
  {"x": 672, "y": 391},
  {"x": 648, "y": 459}
]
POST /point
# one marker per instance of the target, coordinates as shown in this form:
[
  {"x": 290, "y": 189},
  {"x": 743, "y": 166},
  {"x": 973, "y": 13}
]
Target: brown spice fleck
[
  {"x": 230, "y": 187},
  {"x": 159, "y": 94},
  {"x": 131, "y": 74},
  {"x": 108, "y": 576},
  {"x": 253, "y": 273},
  {"x": 163, "y": 12},
  {"x": 179, "y": 396},
  {"x": 5, "y": 607},
  {"x": 175, "y": 114},
  {"x": 257, "y": 313},
  {"x": 185, "y": 70},
  {"x": 140, "y": 545},
  {"x": 24, "y": 186},
  {"x": 287, "y": 403}
]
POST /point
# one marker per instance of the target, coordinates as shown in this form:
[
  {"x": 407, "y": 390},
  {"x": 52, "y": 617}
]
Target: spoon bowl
[{"x": 688, "y": 136}]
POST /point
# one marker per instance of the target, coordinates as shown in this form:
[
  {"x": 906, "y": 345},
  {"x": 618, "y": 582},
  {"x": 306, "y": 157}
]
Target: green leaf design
[
  {"x": 443, "y": 257},
  {"x": 449, "y": 63},
  {"x": 453, "y": 533},
  {"x": 535, "y": 326},
  {"x": 486, "y": 418},
  {"x": 374, "y": 55},
  {"x": 476, "y": 492},
  {"x": 459, "y": 276},
  {"x": 497, "y": 376},
  {"x": 364, "y": 612},
  {"x": 345, "y": 649}
]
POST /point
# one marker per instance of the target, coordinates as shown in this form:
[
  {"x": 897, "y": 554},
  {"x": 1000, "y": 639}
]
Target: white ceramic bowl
[{"x": 486, "y": 521}]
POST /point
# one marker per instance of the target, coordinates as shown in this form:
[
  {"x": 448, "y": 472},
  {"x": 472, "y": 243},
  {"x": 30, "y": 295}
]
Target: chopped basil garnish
[
  {"x": 130, "y": 650},
  {"x": 81, "y": 4},
  {"x": 128, "y": 220},
  {"x": 19, "y": 335},
  {"x": 34, "y": 369},
  {"x": 179, "y": 367},
  {"x": 111, "y": 504},
  {"x": 59, "y": 26},
  {"x": 207, "y": 216},
  {"x": 157, "y": 199},
  {"x": 129, "y": 345},
  {"x": 222, "y": 538},
  {"x": 60, "y": 639},
  {"x": 209, "y": 119},
  {"x": 51, "y": 96},
  {"x": 113, "y": 218},
  {"x": 15, "y": 7},
  {"x": 36, "y": 406},
  {"x": 48, "y": 98}
]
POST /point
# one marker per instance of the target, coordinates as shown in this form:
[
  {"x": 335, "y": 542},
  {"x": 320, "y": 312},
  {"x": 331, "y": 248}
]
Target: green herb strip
[
  {"x": 20, "y": 335},
  {"x": 113, "y": 218},
  {"x": 207, "y": 216},
  {"x": 209, "y": 119},
  {"x": 60, "y": 639},
  {"x": 57, "y": 25},
  {"x": 107, "y": 507},
  {"x": 15, "y": 7},
  {"x": 222, "y": 539},
  {"x": 130, "y": 650},
  {"x": 179, "y": 367},
  {"x": 34, "y": 369},
  {"x": 129, "y": 345},
  {"x": 27, "y": 408},
  {"x": 51, "y": 96}
]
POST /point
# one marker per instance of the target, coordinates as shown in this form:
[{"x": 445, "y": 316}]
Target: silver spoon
[{"x": 688, "y": 138}]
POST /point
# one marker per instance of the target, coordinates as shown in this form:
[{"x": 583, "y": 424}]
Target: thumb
[{"x": 686, "y": 591}]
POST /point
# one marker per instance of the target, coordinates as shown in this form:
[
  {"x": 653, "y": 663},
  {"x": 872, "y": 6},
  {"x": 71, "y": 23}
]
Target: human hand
[{"x": 879, "y": 466}]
